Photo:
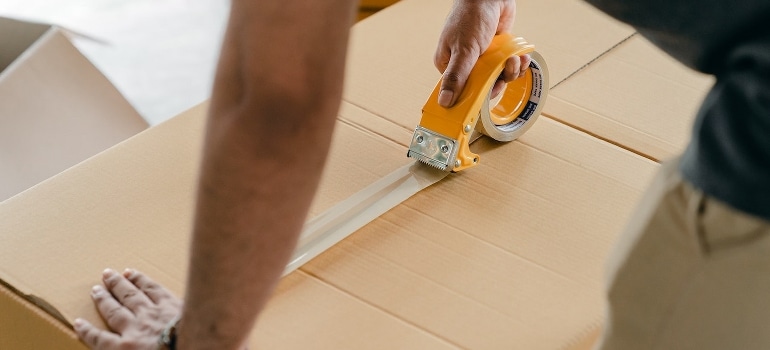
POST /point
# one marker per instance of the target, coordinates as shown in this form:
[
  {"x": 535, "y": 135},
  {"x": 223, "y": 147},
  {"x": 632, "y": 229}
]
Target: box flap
[
  {"x": 56, "y": 109},
  {"x": 506, "y": 255},
  {"x": 17, "y": 37},
  {"x": 390, "y": 65},
  {"x": 635, "y": 96},
  {"x": 31, "y": 326}
]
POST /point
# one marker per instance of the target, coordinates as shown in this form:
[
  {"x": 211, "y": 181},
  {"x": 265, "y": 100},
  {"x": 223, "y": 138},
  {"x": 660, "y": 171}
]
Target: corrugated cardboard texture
[
  {"x": 30, "y": 327},
  {"x": 506, "y": 255},
  {"x": 509, "y": 256},
  {"x": 56, "y": 109},
  {"x": 131, "y": 206},
  {"x": 634, "y": 96},
  {"x": 391, "y": 72}
]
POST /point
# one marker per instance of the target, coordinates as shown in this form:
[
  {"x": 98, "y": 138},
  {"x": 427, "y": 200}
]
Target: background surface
[{"x": 160, "y": 54}]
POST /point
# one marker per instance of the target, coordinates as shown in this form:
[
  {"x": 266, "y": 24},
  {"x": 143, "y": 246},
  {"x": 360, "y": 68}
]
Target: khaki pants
[{"x": 689, "y": 272}]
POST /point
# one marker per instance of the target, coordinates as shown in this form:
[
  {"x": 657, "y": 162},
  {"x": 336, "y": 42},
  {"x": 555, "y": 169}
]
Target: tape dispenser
[{"x": 443, "y": 136}]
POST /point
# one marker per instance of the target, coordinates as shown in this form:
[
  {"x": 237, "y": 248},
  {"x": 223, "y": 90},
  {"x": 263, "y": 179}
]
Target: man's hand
[
  {"x": 135, "y": 308},
  {"x": 467, "y": 34}
]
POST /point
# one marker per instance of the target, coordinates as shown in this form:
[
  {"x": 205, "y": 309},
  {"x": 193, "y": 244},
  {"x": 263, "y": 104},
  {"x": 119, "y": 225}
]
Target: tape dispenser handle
[{"x": 459, "y": 121}]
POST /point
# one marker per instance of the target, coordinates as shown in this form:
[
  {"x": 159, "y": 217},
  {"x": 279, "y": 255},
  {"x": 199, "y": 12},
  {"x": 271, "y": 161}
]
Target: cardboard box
[
  {"x": 635, "y": 96},
  {"x": 367, "y": 8},
  {"x": 56, "y": 108},
  {"x": 375, "y": 4},
  {"x": 569, "y": 34},
  {"x": 506, "y": 255}
]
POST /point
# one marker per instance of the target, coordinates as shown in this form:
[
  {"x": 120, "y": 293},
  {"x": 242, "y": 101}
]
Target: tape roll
[{"x": 518, "y": 106}]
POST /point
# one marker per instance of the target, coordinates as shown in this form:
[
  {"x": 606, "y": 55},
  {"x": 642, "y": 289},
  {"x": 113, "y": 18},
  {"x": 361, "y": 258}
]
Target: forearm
[{"x": 276, "y": 96}]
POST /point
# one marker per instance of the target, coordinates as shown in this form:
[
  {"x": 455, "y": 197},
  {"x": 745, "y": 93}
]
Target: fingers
[
  {"x": 154, "y": 291},
  {"x": 115, "y": 314},
  {"x": 456, "y": 74},
  {"x": 441, "y": 58},
  {"x": 126, "y": 292},
  {"x": 128, "y": 307},
  {"x": 459, "y": 67},
  {"x": 526, "y": 60},
  {"x": 515, "y": 67},
  {"x": 94, "y": 337},
  {"x": 511, "y": 69},
  {"x": 497, "y": 88}
]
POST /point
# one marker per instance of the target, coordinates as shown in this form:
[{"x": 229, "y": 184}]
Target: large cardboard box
[
  {"x": 508, "y": 255},
  {"x": 634, "y": 96},
  {"x": 367, "y": 8},
  {"x": 56, "y": 108}
]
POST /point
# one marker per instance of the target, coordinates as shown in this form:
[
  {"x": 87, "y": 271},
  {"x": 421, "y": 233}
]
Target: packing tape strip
[
  {"x": 332, "y": 226},
  {"x": 349, "y": 215}
]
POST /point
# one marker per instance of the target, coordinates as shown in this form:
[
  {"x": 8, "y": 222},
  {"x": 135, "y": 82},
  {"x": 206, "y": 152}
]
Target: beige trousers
[{"x": 689, "y": 272}]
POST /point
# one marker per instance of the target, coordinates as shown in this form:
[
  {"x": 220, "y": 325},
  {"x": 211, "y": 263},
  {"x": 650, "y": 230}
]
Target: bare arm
[{"x": 276, "y": 96}]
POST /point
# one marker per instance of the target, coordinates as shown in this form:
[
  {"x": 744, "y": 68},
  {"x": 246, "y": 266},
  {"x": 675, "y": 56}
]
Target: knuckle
[
  {"x": 465, "y": 51},
  {"x": 115, "y": 317},
  {"x": 153, "y": 313},
  {"x": 151, "y": 286},
  {"x": 93, "y": 338},
  {"x": 440, "y": 60},
  {"x": 129, "y": 295},
  {"x": 451, "y": 77},
  {"x": 113, "y": 312},
  {"x": 146, "y": 327},
  {"x": 508, "y": 75}
]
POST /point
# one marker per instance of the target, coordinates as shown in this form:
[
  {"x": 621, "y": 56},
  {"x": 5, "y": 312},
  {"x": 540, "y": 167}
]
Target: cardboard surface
[
  {"x": 390, "y": 68},
  {"x": 517, "y": 247},
  {"x": 56, "y": 109},
  {"x": 307, "y": 313},
  {"x": 635, "y": 96},
  {"x": 131, "y": 206},
  {"x": 507, "y": 255},
  {"x": 24, "y": 325}
]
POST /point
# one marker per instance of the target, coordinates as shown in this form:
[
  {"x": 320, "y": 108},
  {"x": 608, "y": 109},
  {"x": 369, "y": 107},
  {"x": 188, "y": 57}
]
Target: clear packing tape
[{"x": 442, "y": 141}]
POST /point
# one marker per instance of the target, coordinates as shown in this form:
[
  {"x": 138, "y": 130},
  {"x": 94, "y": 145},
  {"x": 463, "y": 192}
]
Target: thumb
[{"x": 456, "y": 74}]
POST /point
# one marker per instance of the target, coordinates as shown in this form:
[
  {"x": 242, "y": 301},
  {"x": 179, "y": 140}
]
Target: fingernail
[
  {"x": 108, "y": 273},
  {"x": 445, "y": 98},
  {"x": 127, "y": 273},
  {"x": 97, "y": 289},
  {"x": 79, "y": 323}
]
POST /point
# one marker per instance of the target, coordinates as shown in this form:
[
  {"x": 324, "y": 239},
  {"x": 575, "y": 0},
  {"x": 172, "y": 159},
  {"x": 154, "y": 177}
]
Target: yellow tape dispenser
[{"x": 443, "y": 136}]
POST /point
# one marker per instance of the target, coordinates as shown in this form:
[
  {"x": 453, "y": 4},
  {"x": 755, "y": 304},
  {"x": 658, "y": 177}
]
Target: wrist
[{"x": 168, "y": 337}]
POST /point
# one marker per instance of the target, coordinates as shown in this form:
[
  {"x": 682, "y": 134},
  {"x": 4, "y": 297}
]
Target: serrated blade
[{"x": 433, "y": 149}]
